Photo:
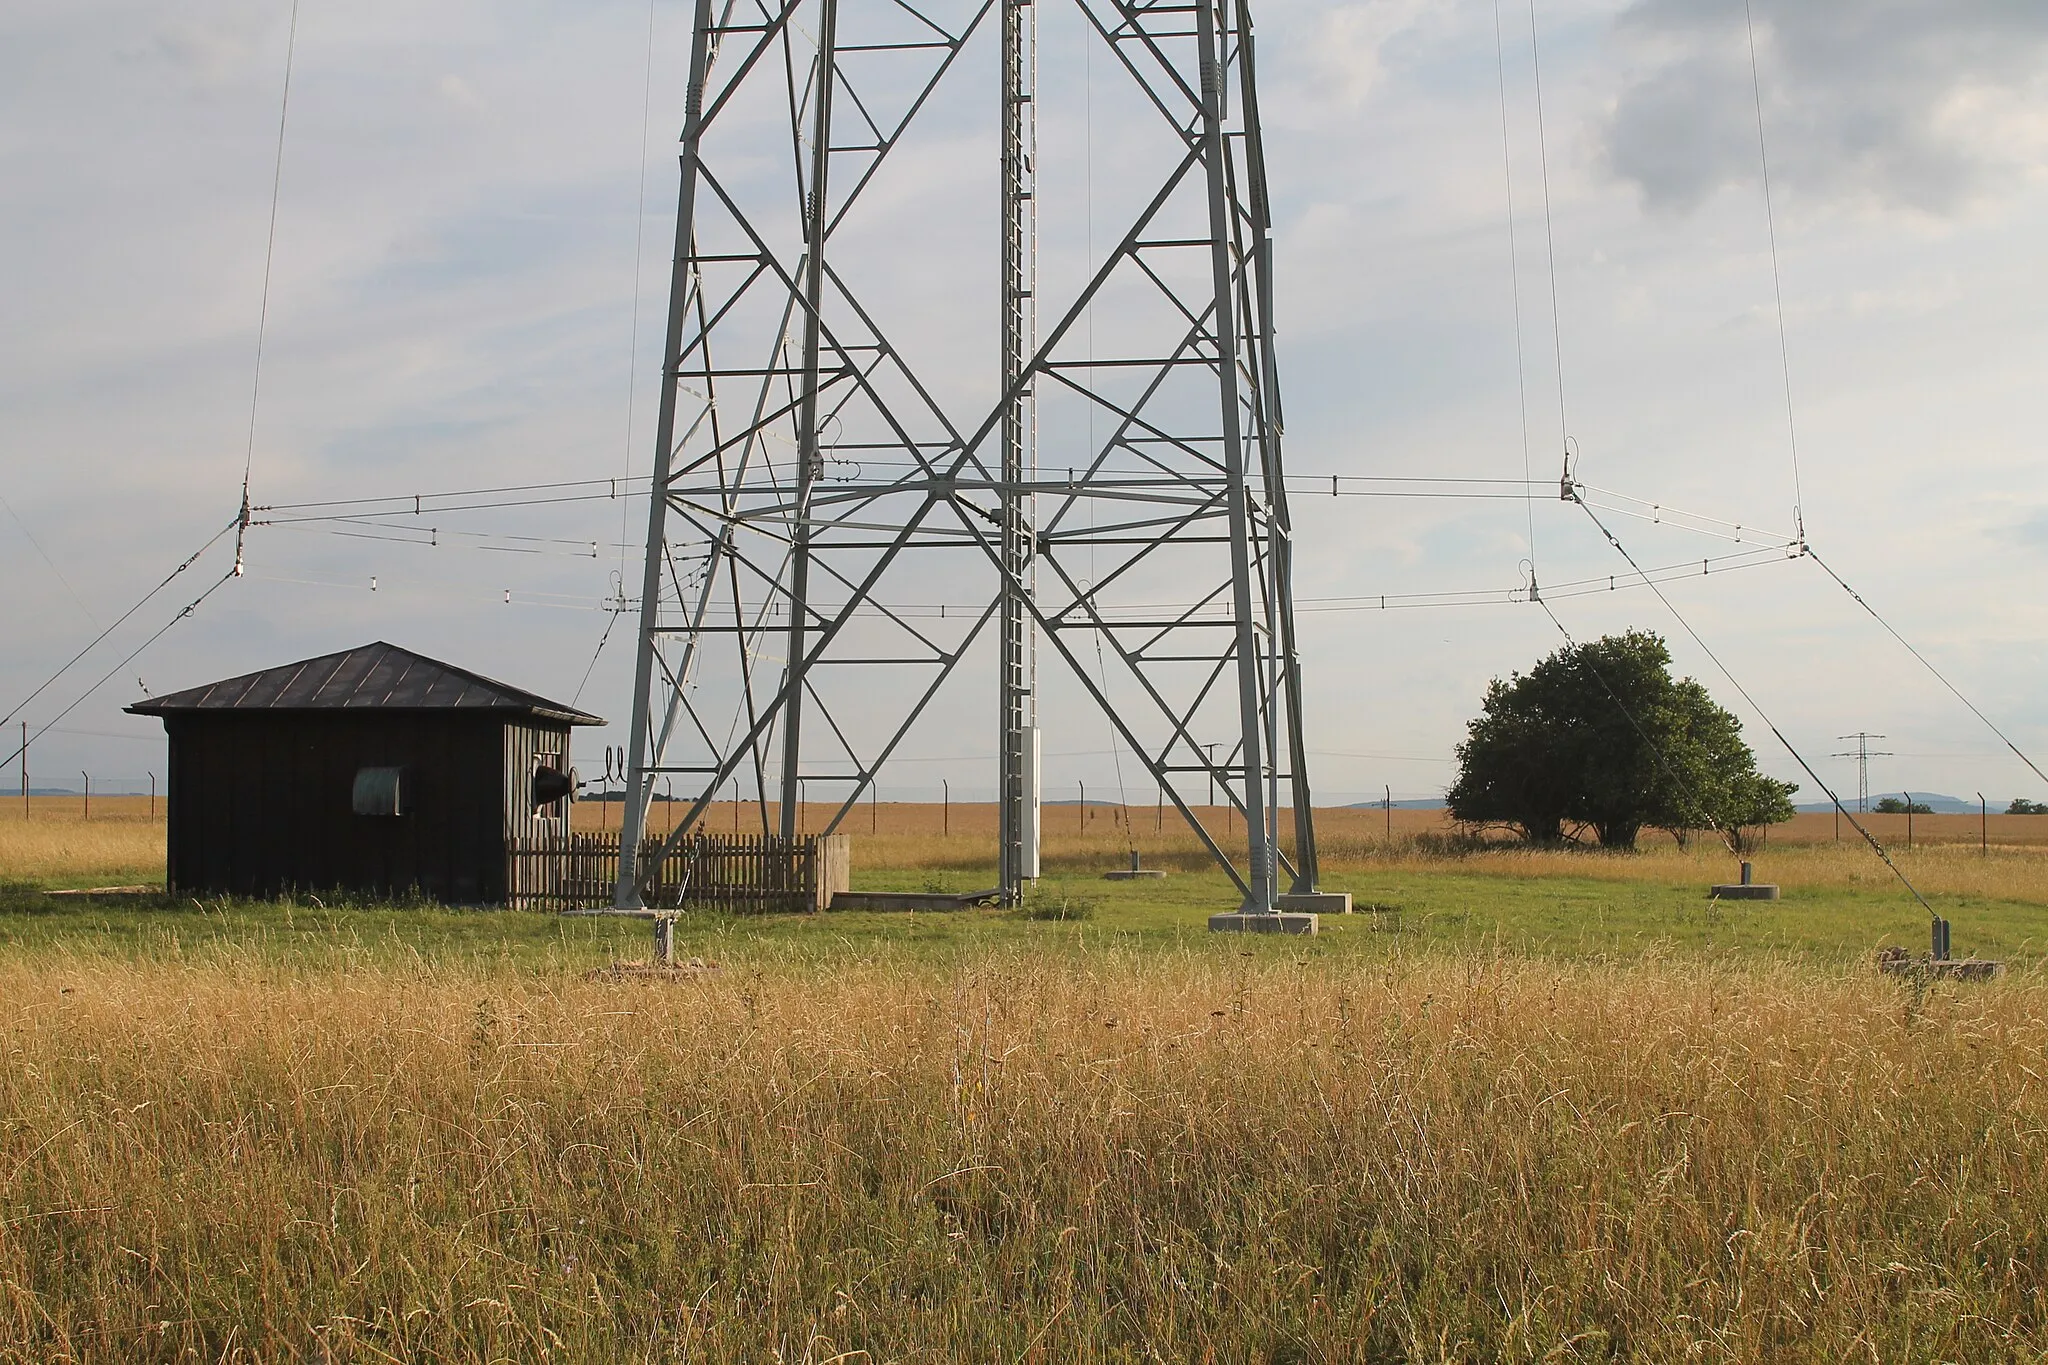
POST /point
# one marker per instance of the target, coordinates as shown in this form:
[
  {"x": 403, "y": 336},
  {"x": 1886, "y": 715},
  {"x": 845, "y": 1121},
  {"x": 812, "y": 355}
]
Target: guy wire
[
  {"x": 1776, "y": 733},
  {"x": 592, "y": 665},
  {"x": 16, "y": 516},
  {"x": 129, "y": 658},
  {"x": 1507, "y": 169},
  {"x": 1777, "y": 287},
  {"x": 284, "y": 106},
  {"x": 1926, "y": 663},
  {"x": 142, "y": 602},
  {"x": 639, "y": 252},
  {"x": 1549, "y": 239}
]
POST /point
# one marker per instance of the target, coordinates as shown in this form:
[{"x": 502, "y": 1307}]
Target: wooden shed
[{"x": 375, "y": 770}]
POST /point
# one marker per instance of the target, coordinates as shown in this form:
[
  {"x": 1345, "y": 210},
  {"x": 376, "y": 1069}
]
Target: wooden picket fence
[{"x": 733, "y": 872}]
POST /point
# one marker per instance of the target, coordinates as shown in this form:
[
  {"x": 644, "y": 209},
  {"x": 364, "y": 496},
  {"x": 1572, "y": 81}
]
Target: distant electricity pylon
[
  {"x": 851, "y": 499},
  {"x": 1862, "y": 753}
]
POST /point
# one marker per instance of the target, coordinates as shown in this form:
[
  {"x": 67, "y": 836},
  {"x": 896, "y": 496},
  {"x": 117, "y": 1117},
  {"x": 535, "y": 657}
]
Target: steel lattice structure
[{"x": 811, "y": 481}]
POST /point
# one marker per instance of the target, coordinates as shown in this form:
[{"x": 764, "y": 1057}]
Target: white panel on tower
[{"x": 1032, "y": 788}]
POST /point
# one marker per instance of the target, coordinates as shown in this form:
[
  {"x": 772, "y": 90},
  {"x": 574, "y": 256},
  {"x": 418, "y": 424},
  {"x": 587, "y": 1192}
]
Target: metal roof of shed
[{"x": 375, "y": 676}]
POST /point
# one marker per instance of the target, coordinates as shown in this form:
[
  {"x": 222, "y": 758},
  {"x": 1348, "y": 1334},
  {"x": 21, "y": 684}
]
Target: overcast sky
[{"x": 460, "y": 256}]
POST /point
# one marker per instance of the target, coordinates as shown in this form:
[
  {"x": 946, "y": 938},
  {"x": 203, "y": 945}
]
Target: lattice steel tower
[{"x": 854, "y": 484}]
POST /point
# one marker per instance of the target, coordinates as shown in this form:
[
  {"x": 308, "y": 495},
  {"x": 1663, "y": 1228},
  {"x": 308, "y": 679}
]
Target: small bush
[
  {"x": 1461, "y": 841},
  {"x": 1056, "y": 903}
]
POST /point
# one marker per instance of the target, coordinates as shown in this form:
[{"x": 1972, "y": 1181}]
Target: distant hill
[
  {"x": 1939, "y": 804},
  {"x": 1426, "y": 803}
]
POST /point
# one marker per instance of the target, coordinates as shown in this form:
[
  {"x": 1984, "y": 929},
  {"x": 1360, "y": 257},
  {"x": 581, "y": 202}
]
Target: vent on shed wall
[{"x": 378, "y": 791}]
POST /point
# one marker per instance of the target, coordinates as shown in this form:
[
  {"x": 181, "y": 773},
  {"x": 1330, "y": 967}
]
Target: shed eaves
[{"x": 373, "y": 676}]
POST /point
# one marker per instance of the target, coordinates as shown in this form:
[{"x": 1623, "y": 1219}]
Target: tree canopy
[{"x": 1600, "y": 736}]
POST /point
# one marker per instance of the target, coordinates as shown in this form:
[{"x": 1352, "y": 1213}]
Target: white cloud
[
  {"x": 458, "y": 92},
  {"x": 215, "y": 47},
  {"x": 454, "y": 295},
  {"x": 1348, "y": 44}
]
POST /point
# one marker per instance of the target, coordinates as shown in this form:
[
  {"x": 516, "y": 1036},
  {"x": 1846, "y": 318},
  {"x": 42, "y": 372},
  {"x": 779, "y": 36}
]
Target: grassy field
[
  {"x": 1841, "y": 903},
  {"x": 1536, "y": 1106}
]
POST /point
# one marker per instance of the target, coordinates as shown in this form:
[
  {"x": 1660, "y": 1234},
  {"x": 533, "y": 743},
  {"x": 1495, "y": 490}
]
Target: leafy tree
[
  {"x": 1755, "y": 803},
  {"x": 1892, "y": 805},
  {"x": 1600, "y": 736},
  {"x": 2021, "y": 806}
]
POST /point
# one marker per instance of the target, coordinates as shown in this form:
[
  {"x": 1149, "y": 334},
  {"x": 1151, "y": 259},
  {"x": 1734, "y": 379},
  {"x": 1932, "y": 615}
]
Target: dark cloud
[{"x": 1921, "y": 104}]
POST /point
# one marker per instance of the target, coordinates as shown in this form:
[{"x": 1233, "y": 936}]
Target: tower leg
[
  {"x": 1247, "y": 645},
  {"x": 809, "y": 457}
]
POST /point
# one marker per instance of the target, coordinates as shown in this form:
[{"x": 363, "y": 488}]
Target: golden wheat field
[
  {"x": 261, "y": 1134},
  {"x": 122, "y": 841},
  {"x": 1191, "y": 1157}
]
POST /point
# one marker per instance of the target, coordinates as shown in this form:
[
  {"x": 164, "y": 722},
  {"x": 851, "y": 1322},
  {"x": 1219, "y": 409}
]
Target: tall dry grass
[{"x": 1234, "y": 1159}]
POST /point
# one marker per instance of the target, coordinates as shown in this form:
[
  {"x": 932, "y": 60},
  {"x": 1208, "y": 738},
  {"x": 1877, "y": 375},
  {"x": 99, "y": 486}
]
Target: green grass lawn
[{"x": 1412, "y": 912}]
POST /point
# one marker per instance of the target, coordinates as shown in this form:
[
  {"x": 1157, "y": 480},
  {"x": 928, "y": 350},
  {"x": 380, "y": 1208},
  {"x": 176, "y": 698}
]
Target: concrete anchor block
[
  {"x": 1315, "y": 902},
  {"x": 1898, "y": 962},
  {"x": 1748, "y": 889},
  {"x": 1269, "y": 922},
  {"x": 1136, "y": 872}
]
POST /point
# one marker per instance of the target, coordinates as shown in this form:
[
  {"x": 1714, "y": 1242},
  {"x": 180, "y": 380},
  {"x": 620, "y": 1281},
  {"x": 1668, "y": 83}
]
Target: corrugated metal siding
[{"x": 374, "y": 676}]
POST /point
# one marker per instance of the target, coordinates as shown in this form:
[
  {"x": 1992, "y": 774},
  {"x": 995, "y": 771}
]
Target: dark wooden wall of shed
[{"x": 262, "y": 804}]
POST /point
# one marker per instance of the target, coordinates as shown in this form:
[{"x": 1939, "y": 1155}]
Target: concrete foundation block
[
  {"x": 909, "y": 900},
  {"x": 1275, "y": 922},
  {"x": 1744, "y": 891},
  {"x": 1136, "y": 872},
  {"x": 1316, "y": 902},
  {"x": 1954, "y": 969}
]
